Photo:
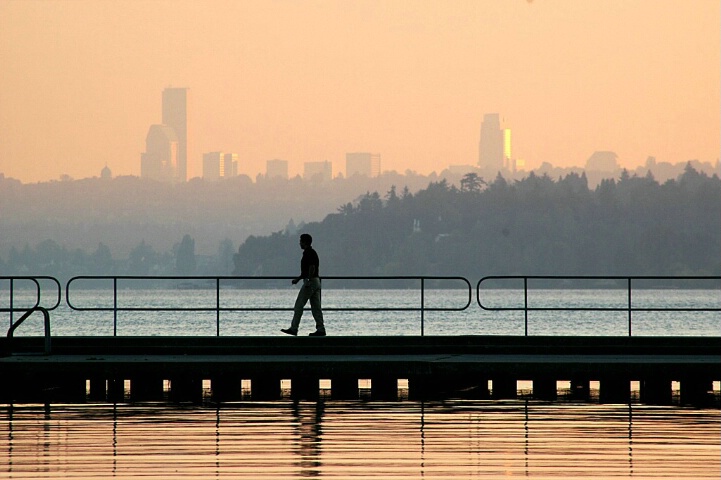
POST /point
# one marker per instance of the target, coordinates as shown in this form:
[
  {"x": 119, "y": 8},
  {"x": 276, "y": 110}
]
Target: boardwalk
[{"x": 433, "y": 366}]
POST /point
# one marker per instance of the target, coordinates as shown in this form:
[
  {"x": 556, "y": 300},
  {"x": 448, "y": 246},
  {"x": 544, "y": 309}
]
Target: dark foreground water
[{"x": 405, "y": 439}]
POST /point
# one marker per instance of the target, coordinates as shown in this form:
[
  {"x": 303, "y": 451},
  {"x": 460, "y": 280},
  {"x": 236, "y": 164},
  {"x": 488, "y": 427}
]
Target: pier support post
[
  {"x": 581, "y": 389},
  {"x": 545, "y": 389},
  {"x": 184, "y": 389},
  {"x": 384, "y": 388},
  {"x": 226, "y": 388},
  {"x": 116, "y": 389},
  {"x": 98, "y": 388},
  {"x": 304, "y": 387},
  {"x": 144, "y": 388},
  {"x": 615, "y": 390},
  {"x": 504, "y": 388},
  {"x": 265, "y": 388},
  {"x": 694, "y": 390},
  {"x": 344, "y": 388},
  {"x": 656, "y": 391}
]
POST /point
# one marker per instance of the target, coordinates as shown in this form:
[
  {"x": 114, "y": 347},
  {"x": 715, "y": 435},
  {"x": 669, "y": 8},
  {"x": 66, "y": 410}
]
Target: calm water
[
  {"x": 334, "y": 439},
  {"x": 472, "y": 321}
]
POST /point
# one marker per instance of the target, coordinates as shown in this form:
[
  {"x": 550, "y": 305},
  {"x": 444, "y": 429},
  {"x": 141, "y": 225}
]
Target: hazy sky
[{"x": 81, "y": 81}]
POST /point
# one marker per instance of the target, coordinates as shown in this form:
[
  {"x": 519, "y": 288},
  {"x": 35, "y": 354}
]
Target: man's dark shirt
[{"x": 310, "y": 257}]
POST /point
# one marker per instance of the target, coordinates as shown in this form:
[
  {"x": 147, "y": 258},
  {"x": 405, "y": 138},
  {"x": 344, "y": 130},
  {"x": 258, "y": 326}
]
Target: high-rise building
[
  {"x": 159, "y": 162},
  {"x": 217, "y": 165},
  {"x": 362, "y": 163},
  {"x": 175, "y": 115},
  {"x": 212, "y": 162},
  {"x": 276, "y": 168},
  {"x": 229, "y": 167},
  {"x": 491, "y": 145},
  {"x": 318, "y": 171}
]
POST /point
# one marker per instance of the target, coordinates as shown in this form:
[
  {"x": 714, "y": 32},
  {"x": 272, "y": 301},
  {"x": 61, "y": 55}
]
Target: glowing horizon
[{"x": 310, "y": 81}]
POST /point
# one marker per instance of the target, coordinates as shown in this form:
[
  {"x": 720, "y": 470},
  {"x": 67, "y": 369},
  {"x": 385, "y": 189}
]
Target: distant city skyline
[{"x": 312, "y": 81}]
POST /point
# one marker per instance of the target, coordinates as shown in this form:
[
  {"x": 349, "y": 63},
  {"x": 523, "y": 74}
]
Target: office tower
[
  {"x": 212, "y": 165},
  {"x": 318, "y": 171},
  {"x": 217, "y": 165},
  {"x": 175, "y": 115},
  {"x": 276, "y": 168},
  {"x": 160, "y": 160},
  {"x": 229, "y": 166},
  {"x": 491, "y": 144},
  {"x": 362, "y": 163}
]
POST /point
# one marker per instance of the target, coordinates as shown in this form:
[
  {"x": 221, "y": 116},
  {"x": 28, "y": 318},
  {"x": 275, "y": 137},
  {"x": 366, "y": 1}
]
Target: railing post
[
  {"x": 11, "y": 301},
  {"x": 217, "y": 306},
  {"x": 115, "y": 306},
  {"x": 423, "y": 291},
  {"x": 525, "y": 305},
  {"x": 629, "y": 306}
]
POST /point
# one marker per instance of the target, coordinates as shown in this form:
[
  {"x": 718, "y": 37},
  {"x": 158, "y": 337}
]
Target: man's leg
[
  {"x": 300, "y": 302},
  {"x": 315, "y": 308}
]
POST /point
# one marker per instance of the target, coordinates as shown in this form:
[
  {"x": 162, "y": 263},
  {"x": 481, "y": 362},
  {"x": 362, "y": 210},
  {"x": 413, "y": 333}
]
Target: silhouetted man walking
[{"x": 310, "y": 290}]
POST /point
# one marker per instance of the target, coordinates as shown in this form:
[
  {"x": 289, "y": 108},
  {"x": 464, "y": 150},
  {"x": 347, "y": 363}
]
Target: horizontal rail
[
  {"x": 629, "y": 307},
  {"x": 217, "y": 281}
]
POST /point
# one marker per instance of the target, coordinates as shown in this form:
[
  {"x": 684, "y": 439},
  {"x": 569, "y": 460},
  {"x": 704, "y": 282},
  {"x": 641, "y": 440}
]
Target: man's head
[{"x": 306, "y": 239}]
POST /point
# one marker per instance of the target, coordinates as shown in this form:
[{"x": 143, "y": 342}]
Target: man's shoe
[
  {"x": 289, "y": 331},
  {"x": 317, "y": 333}
]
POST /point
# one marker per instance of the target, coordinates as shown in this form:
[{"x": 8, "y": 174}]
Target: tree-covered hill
[{"x": 535, "y": 226}]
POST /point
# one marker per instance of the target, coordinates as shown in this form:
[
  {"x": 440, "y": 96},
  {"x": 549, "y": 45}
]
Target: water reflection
[{"x": 301, "y": 439}]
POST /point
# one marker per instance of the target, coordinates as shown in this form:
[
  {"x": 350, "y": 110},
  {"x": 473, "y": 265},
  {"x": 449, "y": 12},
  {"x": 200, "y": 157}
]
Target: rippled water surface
[{"x": 360, "y": 439}]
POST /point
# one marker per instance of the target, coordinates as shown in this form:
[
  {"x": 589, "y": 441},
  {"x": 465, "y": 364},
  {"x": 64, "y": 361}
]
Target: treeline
[
  {"x": 52, "y": 259},
  {"x": 632, "y": 225}
]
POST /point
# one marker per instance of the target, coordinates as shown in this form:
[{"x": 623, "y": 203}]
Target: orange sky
[{"x": 81, "y": 81}]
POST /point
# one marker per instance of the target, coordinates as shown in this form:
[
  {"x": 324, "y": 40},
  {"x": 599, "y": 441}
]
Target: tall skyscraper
[
  {"x": 491, "y": 145},
  {"x": 175, "y": 115},
  {"x": 159, "y": 162},
  {"x": 362, "y": 163}
]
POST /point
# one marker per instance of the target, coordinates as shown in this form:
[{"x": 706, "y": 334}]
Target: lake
[{"x": 449, "y": 440}]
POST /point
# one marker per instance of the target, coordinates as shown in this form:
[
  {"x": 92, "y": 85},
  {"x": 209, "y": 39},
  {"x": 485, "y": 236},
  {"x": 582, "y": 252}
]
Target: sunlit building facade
[
  {"x": 229, "y": 166},
  {"x": 217, "y": 165}
]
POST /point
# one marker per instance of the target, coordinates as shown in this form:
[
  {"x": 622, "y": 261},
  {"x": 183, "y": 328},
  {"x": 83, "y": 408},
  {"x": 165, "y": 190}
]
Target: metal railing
[
  {"x": 217, "y": 282},
  {"x": 15, "y": 285},
  {"x": 38, "y": 294},
  {"x": 46, "y": 323},
  {"x": 629, "y": 307}
]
